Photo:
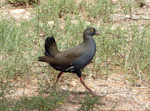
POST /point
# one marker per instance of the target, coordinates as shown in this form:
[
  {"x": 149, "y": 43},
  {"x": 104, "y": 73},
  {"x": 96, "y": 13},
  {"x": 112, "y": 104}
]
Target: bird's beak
[{"x": 97, "y": 33}]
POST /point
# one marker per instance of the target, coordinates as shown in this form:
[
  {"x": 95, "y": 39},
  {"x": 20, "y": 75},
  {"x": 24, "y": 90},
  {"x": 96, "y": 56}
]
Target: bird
[{"x": 71, "y": 60}]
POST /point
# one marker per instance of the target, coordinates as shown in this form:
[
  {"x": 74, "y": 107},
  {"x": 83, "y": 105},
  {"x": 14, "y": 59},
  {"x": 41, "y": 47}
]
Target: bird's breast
[
  {"x": 90, "y": 48},
  {"x": 87, "y": 55}
]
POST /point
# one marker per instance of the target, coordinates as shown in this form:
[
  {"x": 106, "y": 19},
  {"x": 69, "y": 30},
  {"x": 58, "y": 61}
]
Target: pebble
[
  {"x": 73, "y": 83},
  {"x": 20, "y": 14},
  {"x": 146, "y": 17},
  {"x": 18, "y": 11},
  {"x": 116, "y": 17},
  {"x": 127, "y": 17},
  {"x": 135, "y": 17},
  {"x": 51, "y": 23},
  {"x": 87, "y": 23}
]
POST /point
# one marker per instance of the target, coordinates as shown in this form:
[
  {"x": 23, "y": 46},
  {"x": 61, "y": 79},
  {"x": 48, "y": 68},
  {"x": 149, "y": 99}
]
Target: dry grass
[{"x": 120, "y": 69}]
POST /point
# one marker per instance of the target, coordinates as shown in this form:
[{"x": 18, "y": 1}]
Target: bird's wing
[
  {"x": 65, "y": 58},
  {"x": 68, "y": 56}
]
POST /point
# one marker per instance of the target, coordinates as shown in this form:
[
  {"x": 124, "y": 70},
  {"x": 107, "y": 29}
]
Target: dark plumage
[{"x": 73, "y": 59}]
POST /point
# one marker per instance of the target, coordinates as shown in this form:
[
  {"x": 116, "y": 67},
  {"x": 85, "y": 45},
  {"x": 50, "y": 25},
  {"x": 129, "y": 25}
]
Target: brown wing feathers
[{"x": 64, "y": 58}]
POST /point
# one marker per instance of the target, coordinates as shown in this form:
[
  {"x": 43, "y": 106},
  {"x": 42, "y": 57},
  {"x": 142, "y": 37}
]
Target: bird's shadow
[
  {"x": 66, "y": 92},
  {"x": 74, "y": 93},
  {"x": 75, "y": 97}
]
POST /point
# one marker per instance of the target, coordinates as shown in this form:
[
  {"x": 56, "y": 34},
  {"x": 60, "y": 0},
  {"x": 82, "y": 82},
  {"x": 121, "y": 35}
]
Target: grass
[
  {"x": 40, "y": 102},
  {"x": 124, "y": 48},
  {"x": 89, "y": 103}
]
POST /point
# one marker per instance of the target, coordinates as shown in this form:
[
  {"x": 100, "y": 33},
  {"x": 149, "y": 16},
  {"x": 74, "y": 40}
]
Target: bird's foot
[{"x": 94, "y": 94}]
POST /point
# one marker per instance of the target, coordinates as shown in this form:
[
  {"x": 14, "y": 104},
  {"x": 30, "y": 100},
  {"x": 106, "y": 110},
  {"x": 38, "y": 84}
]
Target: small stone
[
  {"x": 146, "y": 17},
  {"x": 135, "y": 17},
  {"x": 116, "y": 17},
  {"x": 87, "y": 23},
  {"x": 17, "y": 11},
  {"x": 51, "y": 23},
  {"x": 127, "y": 17},
  {"x": 73, "y": 83},
  {"x": 20, "y": 14},
  {"x": 115, "y": 1}
]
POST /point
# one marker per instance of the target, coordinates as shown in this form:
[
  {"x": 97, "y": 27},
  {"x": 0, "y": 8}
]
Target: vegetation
[{"x": 119, "y": 48}]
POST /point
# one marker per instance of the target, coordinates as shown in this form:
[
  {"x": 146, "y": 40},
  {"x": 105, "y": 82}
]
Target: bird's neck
[{"x": 87, "y": 38}]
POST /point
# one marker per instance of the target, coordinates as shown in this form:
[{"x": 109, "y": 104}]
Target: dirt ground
[{"x": 118, "y": 92}]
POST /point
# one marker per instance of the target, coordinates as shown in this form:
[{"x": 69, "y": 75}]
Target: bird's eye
[{"x": 92, "y": 30}]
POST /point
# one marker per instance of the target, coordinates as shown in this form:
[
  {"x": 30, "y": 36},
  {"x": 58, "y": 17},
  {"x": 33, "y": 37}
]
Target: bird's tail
[
  {"x": 45, "y": 59},
  {"x": 50, "y": 47}
]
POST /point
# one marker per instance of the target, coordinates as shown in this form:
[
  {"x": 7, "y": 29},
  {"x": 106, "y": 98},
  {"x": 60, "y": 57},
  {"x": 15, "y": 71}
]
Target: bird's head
[{"x": 90, "y": 31}]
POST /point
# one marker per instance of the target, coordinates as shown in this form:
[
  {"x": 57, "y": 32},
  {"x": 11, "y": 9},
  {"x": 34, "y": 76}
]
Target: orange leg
[
  {"x": 87, "y": 87},
  {"x": 55, "y": 85},
  {"x": 58, "y": 76}
]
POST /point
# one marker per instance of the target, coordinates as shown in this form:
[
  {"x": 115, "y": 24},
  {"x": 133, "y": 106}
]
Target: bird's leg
[
  {"x": 57, "y": 79},
  {"x": 87, "y": 87},
  {"x": 58, "y": 76}
]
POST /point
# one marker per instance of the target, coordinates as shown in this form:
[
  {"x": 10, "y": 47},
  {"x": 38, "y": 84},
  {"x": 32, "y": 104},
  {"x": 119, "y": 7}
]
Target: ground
[{"x": 116, "y": 91}]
